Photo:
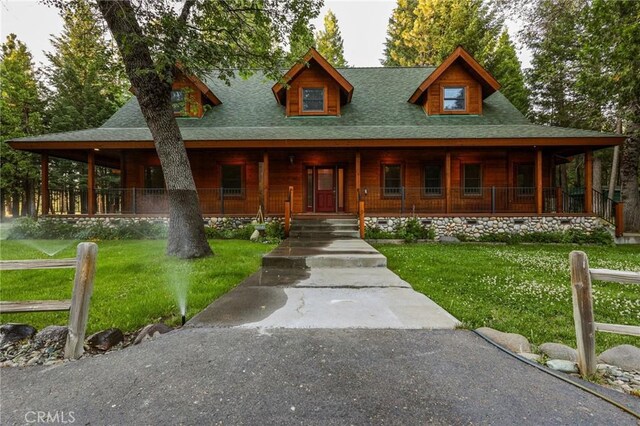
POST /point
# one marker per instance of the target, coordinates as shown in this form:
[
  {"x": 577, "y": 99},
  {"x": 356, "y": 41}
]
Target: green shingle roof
[{"x": 378, "y": 110}]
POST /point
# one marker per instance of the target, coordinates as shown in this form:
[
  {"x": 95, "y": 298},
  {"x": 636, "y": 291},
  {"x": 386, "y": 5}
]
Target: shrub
[
  {"x": 375, "y": 233},
  {"x": 274, "y": 231}
]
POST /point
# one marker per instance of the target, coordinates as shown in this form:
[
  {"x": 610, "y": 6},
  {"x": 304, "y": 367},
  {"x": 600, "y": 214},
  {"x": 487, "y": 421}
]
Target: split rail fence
[
  {"x": 585, "y": 324},
  {"x": 78, "y": 305}
]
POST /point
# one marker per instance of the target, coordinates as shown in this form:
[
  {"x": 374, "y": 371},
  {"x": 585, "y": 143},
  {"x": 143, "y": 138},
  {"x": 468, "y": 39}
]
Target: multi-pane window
[
  {"x": 153, "y": 177},
  {"x": 454, "y": 99},
  {"x": 392, "y": 180},
  {"x": 472, "y": 179},
  {"x": 178, "y": 102},
  {"x": 432, "y": 179},
  {"x": 232, "y": 179},
  {"x": 525, "y": 180},
  {"x": 313, "y": 100}
]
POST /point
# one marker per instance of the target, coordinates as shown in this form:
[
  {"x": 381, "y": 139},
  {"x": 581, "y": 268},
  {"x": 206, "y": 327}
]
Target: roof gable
[
  {"x": 313, "y": 56},
  {"x": 489, "y": 84},
  {"x": 200, "y": 85}
]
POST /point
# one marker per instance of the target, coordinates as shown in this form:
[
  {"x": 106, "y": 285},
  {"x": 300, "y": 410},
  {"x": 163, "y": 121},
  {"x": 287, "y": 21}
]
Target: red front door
[{"x": 325, "y": 189}]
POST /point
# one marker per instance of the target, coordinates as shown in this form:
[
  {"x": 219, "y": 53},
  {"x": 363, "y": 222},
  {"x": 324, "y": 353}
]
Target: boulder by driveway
[
  {"x": 512, "y": 341},
  {"x": 626, "y": 357}
]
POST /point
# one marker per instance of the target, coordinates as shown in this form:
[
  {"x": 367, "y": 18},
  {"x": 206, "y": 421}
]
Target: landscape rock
[
  {"x": 512, "y": 341},
  {"x": 530, "y": 356},
  {"x": 559, "y": 351},
  {"x": 626, "y": 357},
  {"x": 563, "y": 365},
  {"x": 448, "y": 239},
  {"x": 54, "y": 336},
  {"x": 10, "y": 333},
  {"x": 106, "y": 339},
  {"x": 150, "y": 331}
]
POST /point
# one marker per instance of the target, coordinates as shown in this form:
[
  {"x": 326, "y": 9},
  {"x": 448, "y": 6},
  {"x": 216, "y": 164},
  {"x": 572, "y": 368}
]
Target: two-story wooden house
[{"x": 434, "y": 142}]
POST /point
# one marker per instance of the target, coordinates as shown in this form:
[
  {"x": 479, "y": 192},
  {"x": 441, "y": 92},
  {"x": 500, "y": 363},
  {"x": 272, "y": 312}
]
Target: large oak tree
[{"x": 225, "y": 37}]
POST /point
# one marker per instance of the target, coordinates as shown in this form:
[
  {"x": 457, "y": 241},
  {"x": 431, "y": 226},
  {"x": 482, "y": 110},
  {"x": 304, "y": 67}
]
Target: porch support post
[
  {"x": 44, "y": 188},
  {"x": 539, "y": 181},
  {"x": 588, "y": 181},
  {"x": 447, "y": 181},
  {"x": 358, "y": 171},
  {"x": 265, "y": 181},
  {"x": 91, "y": 179}
]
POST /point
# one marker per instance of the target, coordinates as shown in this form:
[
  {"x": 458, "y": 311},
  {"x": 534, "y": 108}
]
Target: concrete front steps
[
  {"x": 324, "y": 228},
  {"x": 331, "y": 242}
]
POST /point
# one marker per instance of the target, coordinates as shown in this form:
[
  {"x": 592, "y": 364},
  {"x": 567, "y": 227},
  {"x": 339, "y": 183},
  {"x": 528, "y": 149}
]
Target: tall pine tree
[
  {"x": 86, "y": 76},
  {"x": 20, "y": 115},
  {"x": 88, "y": 85},
  {"x": 425, "y": 32},
  {"x": 329, "y": 41},
  {"x": 397, "y": 51},
  {"x": 507, "y": 69}
]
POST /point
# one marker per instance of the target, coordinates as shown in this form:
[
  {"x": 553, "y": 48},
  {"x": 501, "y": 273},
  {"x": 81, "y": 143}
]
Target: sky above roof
[{"x": 363, "y": 24}]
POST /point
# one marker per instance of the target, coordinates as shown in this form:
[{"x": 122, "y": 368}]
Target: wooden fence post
[
  {"x": 82, "y": 290},
  {"x": 583, "y": 312}
]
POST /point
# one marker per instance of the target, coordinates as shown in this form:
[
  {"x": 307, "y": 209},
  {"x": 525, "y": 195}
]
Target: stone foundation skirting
[
  {"x": 476, "y": 226},
  {"x": 219, "y": 223}
]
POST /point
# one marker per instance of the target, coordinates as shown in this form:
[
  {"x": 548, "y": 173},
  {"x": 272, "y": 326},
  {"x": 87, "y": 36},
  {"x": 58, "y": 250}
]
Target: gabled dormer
[
  {"x": 189, "y": 95},
  {"x": 457, "y": 86},
  {"x": 313, "y": 87}
]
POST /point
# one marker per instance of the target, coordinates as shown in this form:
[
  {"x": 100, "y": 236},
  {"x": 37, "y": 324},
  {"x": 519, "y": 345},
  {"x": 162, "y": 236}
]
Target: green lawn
[
  {"x": 135, "y": 282},
  {"x": 519, "y": 288}
]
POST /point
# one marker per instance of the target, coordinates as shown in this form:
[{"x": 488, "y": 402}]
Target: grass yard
[
  {"x": 135, "y": 283},
  {"x": 521, "y": 289}
]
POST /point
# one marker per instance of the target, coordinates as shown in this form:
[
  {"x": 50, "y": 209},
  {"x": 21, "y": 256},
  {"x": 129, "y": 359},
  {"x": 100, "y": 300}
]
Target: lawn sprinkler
[{"x": 184, "y": 319}]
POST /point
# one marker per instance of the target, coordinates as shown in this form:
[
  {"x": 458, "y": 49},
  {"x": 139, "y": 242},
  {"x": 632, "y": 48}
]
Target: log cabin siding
[
  {"x": 312, "y": 78},
  {"x": 455, "y": 75},
  {"x": 498, "y": 170},
  {"x": 193, "y": 95}
]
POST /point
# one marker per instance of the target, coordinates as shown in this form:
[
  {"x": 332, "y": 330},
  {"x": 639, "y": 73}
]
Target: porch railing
[{"x": 410, "y": 200}]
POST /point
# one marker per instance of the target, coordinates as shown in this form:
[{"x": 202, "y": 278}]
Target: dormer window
[
  {"x": 313, "y": 100},
  {"x": 458, "y": 86},
  {"x": 313, "y": 87},
  {"x": 454, "y": 99},
  {"x": 178, "y": 102}
]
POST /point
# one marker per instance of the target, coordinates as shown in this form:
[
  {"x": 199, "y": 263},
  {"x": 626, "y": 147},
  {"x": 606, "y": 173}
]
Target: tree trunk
[
  {"x": 564, "y": 181},
  {"x": 611, "y": 193},
  {"x": 614, "y": 163},
  {"x": 186, "y": 229},
  {"x": 629, "y": 179},
  {"x": 596, "y": 182}
]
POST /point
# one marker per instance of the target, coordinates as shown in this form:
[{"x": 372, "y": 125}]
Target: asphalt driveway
[{"x": 302, "y": 376}]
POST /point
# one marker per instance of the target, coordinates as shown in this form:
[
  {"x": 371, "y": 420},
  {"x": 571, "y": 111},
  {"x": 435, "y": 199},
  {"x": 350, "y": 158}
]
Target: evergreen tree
[
  {"x": 397, "y": 51},
  {"x": 506, "y": 68},
  {"x": 441, "y": 25},
  {"x": 329, "y": 41},
  {"x": 88, "y": 86},
  {"x": 20, "y": 115},
  {"x": 608, "y": 76},
  {"x": 86, "y": 76},
  {"x": 301, "y": 38},
  {"x": 425, "y": 32}
]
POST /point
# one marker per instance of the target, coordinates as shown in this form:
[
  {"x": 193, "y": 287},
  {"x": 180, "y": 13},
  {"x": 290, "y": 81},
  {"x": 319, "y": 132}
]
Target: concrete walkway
[{"x": 341, "y": 283}]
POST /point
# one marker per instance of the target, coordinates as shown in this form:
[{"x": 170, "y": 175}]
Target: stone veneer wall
[
  {"x": 220, "y": 223},
  {"x": 476, "y": 226},
  {"x": 471, "y": 226}
]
